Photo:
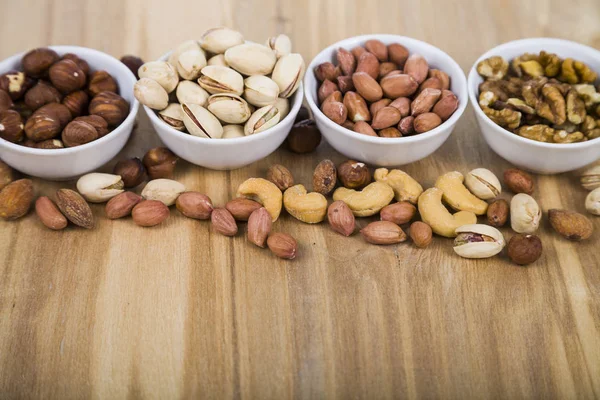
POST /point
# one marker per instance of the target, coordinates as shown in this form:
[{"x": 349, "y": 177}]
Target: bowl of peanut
[{"x": 537, "y": 103}]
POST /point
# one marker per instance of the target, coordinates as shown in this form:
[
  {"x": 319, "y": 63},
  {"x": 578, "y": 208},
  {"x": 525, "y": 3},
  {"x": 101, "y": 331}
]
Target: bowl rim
[
  {"x": 295, "y": 104},
  {"x": 133, "y": 106},
  {"x": 310, "y": 97},
  {"x": 539, "y": 43}
]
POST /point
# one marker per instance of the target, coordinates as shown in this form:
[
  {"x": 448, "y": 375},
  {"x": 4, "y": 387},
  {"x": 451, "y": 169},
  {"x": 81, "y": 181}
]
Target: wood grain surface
[{"x": 178, "y": 311}]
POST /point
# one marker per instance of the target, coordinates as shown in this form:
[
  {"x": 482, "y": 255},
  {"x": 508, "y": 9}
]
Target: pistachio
[
  {"x": 478, "y": 241},
  {"x": 590, "y": 179},
  {"x": 592, "y": 202},
  {"x": 188, "y": 45},
  {"x": 200, "y": 122},
  {"x": 218, "y": 40},
  {"x": 190, "y": 63},
  {"x": 218, "y": 79},
  {"x": 283, "y": 105},
  {"x": 219, "y": 59},
  {"x": 173, "y": 116},
  {"x": 163, "y": 190},
  {"x": 151, "y": 94},
  {"x": 232, "y": 131},
  {"x": 229, "y": 108},
  {"x": 162, "y": 72},
  {"x": 98, "y": 188},
  {"x": 191, "y": 93},
  {"x": 483, "y": 184},
  {"x": 525, "y": 214},
  {"x": 280, "y": 44},
  {"x": 262, "y": 119},
  {"x": 288, "y": 73},
  {"x": 251, "y": 59},
  {"x": 260, "y": 91}
]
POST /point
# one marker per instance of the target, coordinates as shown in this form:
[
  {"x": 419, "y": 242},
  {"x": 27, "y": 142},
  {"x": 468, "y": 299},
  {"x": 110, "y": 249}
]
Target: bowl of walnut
[
  {"x": 537, "y": 103},
  {"x": 64, "y": 110}
]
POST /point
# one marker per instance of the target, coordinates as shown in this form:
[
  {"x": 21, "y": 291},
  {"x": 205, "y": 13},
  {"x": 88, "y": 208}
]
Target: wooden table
[{"x": 179, "y": 311}]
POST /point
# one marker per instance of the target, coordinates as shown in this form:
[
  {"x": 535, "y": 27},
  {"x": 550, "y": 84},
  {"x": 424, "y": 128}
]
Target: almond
[
  {"x": 368, "y": 63},
  {"x": 16, "y": 199},
  {"x": 571, "y": 225},
  {"x": 121, "y": 205},
  {"x": 425, "y": 101},
  {"x": 340, "y": 217},
  {"x": 346, "y": 61},
  {"x": 398, "y": 54},
  {"x": 357, "y": 107},
  {"x": 150, "y": 213},
  {"x": 367, "y": 86},
  {"x": 345, "y": 83},
  {"x": 335, "y": 111},
  {"x": 280, "y": 176},
  {"x": 421, "y": 234},
  {"x": 386, "y": 117},
  {"x": 417, "y": 67},
  {"x": 75, "y": 208},
  {"x": 325, "y": 90},
  {"x": 364, "y": 128},
  {"x": 223, "y": 222},
  {"x": 398, "y": 213},
  {"x": 426, "y": 122},
  {"x": 324, "y": 177},
  {"x": 194, "y": 205},
  {"x": 377, "y": 48},
  {"x": 399, "y": 85},
  {"x": 383, "y": 232},
  {"x": 49, "y": 214},
  {"x": 6, "y": 175},
  {"x": 259, "y": 226},
  {"x": 283, "y": 245},
  {"x": 518, "y": 181},
  {"x": 446, "y": 106},
  {"x": 241, "y": 208}
]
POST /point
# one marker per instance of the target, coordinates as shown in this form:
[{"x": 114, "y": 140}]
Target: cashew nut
[
  {"x": 368, "y": 201},
  {"x": 457, "y": 195},
  {"x": 438, "y": 217},
  {"x": 306, "y": 207},
  {"x": 263, "y": 191},
  {"x": 405, "y": 187}
]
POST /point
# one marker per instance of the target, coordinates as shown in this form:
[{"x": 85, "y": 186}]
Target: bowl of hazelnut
[
  {"x": 537, "y": 103},
  {"x": 385, "y": 100},
  {"x": 64, "y": 110}
]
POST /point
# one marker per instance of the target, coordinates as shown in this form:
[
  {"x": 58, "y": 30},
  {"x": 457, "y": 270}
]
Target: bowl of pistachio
[
  {"x": 222, "y": 102},
  {"x": 537, "y": 103}
]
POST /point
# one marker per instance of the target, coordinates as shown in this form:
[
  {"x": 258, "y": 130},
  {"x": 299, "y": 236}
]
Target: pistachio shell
[
  {"x": 97, "y": 187},
  {"x": 483, "y": 183},
  {"x": 262, "y": 119},
  {"x": 251, "y": 59},
  {"x": 218, "y": 40},
  {"x": 260, "y": 91},
  {"x": 283, "y": 105},
  {"x": 200, "y": 122},
  {"x": 288, "y": 74},
  {"x": 182, "y": 48},
  {"x": 173, "y": 116},
  {"x": 161, "y": 72},
  {"x": 479, "y": 248},
  {"x": 229, "y": 108},
  {"x": 232, "y": 131},
  {"x": 525, "y": 214},
  {"x": 151, "y": 94},
  {"x": 218, "y": 79},
  {"x": 190, "y": 92},
  {"x": 190, "y": 63},
  {"x": 280, "y": 44},
  {"x": 219, "y": 59}
]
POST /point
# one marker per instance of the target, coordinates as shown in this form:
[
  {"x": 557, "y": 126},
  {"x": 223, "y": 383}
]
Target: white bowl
[
  {"x": 226, "y": 154},
  {"x": 63, "y": 164},
  {"x": 534, "y": 156},
  {"x": 387, "y": 151}
]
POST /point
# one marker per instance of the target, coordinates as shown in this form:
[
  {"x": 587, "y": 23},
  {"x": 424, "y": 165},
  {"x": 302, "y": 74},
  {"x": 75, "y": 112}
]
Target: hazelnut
[
  {"x": 40, "y": 95},
  {"x": 50, "y": 144},
  {"x": 77, "y": 133},
  {"x": 42, "y": 125},
  {"x": 101, "y": 81},
  {"x": 23, "y": 110},
  {"x": 15, "y": 84},
  {"x": 354, "y": 174},
  {"x": 66, "y": 76},
  {"x": 304, "y": 136},
  {"x": 37, "y": 61},
  {"x": 133, "y": 63},
  {"x": 83, "y": 65},
  {"x": 6, "y": 102},
  {"x": 57, "y": 110},
  {"x": 77, "y": 103},
  {"x": 97, "y": 122},
  {"x": 160, "y": 162},
  {"x": 132, "y": 171},
  {"x": 110, "y": 106},
  {"x": 518, "y": 181},
  {"x": 497, "y": 213},
  {"x": 524, "y": 249},
  {"x": 11, "y": 126}
]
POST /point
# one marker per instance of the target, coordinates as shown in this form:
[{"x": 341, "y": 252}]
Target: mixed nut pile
[
  {"x": 384, "y": 91},
  {"x": 57, "y": 102},
  {"x": 222, "y": 86},
  {"x": 541, "y": 97}
]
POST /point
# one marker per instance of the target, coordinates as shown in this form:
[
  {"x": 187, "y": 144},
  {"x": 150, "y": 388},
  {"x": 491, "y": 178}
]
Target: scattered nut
[
  {"x": 592, "y": 202},
  {"x": 571, "y": 225},
  {"x": 223, "y": 222},
  {"x": 133, "y": 63},
  {"x": 324, "y": 177},
  {"x": 149, "y": 213},
  {"x": 164, "y": 190},
  {"x": 75, "y": 208},
  {"x": 399, "y": 213},
  {"x": 242, "y": 208},
  {"x": 421, "y": 234},
  {"x": 305, "y": 207},
  {"x": 121, "y": 205},
  {"x": 367, "y": 202},
  {"x": 194, "y": 205},
  {"x": 265, "y": 193},
  {"x": 525, "y": 214},
  {"x": 458, "y": 196},
  {"x": 341, "y": 219},
  {"x": 438, "y": 217},
  {"x": 497, "y": 213},
  {"x": 16, "y": 199},
  {"x": 280, "y": 176},
  {"x": 160, "y": 162},
  {"x": 590, "y": 178},
  {"x": 49, "y": 214},
  {"x": 304, "y": 136},
  {"x": 405, "y": 187},
  {"x": 282, "y": 245},
  {"x": 524, "y": 249},
  {"x": 518, "y": 181},
  {"x": 6, "y": 175},
  {"x": 131, "y": 171},
  {"x": 353, "y": 174},
  {"x": 98, "y": 188},
  {"x": 483, "y": 184},
  {"x": 383, "y": 232},
  {"x": 478, "y": 241},
  {"x": 259, "y": 226}
]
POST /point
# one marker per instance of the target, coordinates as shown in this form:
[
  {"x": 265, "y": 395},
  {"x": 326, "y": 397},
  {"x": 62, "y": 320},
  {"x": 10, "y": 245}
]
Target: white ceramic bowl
[
  {"x": 542, "y": 158},
  {"x": 226, "y": 154},
  {"x": 63, "y": 164},
  {"x": 387, "y": 151}
]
